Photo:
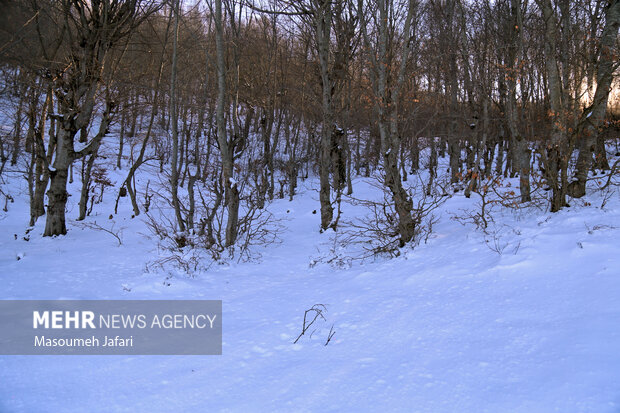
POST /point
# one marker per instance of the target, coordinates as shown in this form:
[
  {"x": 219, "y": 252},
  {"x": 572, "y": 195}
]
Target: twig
[
  {"x": 330, "y": 335},
  {"x": 317, "y": 309},
  {"x": 95, "y": 226}
]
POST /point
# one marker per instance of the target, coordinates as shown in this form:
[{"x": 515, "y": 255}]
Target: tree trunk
[
  {"x": 86, "y": 174},
  {"x": 57, "y": 200},
  {"x": 121, "y": 141},
  {"x": 323, "y": 20},
  {"x": 557, "y": 153},
  {"x": 40, "y": 176},
  {"x": 17, "y": 132},
  {"x": 594, "y": 116},
  {"x": 231, "y": 193},
  {"x": 174, "y": 157},
  {"x": 387, "y": 94}
]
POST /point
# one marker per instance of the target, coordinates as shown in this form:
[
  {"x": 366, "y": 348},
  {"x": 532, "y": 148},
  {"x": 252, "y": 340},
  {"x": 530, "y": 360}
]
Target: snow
[{"x": 450, "y": 326}]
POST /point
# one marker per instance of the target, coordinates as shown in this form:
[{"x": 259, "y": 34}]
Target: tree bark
[
  {"x": 555, "y": 155},
  {"x": 231, "y": 192},
  {"x": 174, "y": 157},
  {"x": 323, "y": 21},
  {"x": 593, "y": 116},
  {"x": 519, "y": 144},
  {"x": 387, "y": 96}
]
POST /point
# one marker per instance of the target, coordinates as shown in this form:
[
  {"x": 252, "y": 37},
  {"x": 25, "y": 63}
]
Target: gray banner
[{"x": 92, "y": 327}]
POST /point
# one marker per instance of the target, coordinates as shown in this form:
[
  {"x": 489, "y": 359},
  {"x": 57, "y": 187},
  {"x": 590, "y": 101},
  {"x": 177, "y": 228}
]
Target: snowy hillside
[
  {"x": 521, "y": 319},
  {"x": 371, "y": 205}
]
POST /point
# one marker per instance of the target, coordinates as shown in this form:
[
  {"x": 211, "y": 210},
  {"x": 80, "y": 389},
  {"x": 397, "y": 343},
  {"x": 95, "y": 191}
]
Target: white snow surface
[{"x": 450, "y": 326}]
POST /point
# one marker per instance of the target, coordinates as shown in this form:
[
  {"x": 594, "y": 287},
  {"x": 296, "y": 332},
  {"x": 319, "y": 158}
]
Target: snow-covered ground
[{"x": 526, "y": 320}]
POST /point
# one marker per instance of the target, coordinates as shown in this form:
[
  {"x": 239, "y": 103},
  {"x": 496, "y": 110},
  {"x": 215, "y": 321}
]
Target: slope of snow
[{"x": 451, "y": 326}]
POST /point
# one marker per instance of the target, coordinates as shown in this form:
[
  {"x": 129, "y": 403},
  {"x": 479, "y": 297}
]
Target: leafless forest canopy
[{"x": 233, "y": 102}]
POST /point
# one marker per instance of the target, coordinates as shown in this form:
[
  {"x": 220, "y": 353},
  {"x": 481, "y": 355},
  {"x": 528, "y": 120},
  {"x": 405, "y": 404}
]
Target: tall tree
[
  {"x": 93, "y": 28},
  {"x": 388, "y": 76},
  {"x": 174, "y": 156},
  {"x": 226, "y": 145},
  {"x": 593, "y": 116},
  {"x": 514, "y": 58},
  {"x": 555, "y": 154}
]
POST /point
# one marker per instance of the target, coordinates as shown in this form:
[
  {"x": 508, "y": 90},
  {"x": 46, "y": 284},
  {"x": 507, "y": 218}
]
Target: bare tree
[
  {"x": 93, "y": 28},
  {"x": 387, "y": 90},
  {"x": 520, "y": 148},
  {"x": 225, "y": 144},
  {"x": 592, "y": 117},
  {"x": 174, "y": 156},
  {"x": 555, "y": 154}
]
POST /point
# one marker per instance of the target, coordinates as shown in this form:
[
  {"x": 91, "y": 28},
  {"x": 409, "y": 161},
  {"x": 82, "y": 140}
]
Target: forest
[
  {"x": 453, "y": 164},
  {"x": 237, "y": 101}
]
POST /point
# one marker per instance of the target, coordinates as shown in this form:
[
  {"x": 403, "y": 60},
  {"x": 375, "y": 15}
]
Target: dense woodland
[{"x": 235, "y": 101}]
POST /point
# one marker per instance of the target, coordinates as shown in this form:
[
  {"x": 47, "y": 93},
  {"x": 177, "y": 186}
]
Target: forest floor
[{"x": 524, "y": 318}]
